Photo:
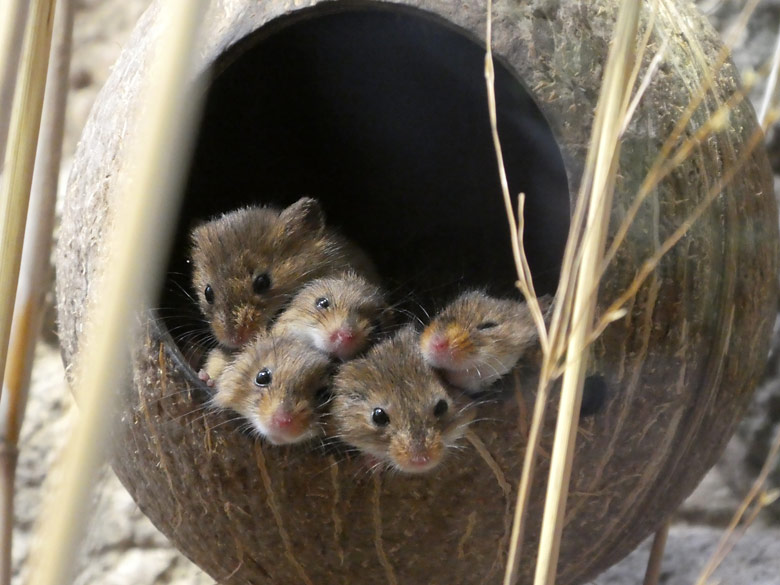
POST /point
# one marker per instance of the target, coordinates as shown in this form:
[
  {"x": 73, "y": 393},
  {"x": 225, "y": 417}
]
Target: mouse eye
[
  {"x": 261, "y": 283},
  {"x": 263, "y": 378},
  {"x": 322, "y": 303},
  {"x": 323, "y": 395},
  {"x": 440, "y": 408},
  {"x": 380, "y": 417},
  {"x": 487, "y": 325},
  {"x": 208, "y": 292}
]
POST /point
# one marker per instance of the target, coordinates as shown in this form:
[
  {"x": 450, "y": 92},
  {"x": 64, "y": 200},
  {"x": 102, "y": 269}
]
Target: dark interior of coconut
[{"x": 382, "y": 116}]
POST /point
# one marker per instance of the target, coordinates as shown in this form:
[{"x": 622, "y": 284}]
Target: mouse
[
  {"x": 339, "y": 316},
  {"x": 279, "y": 385},
  {"x": 476, "y": 339},
  {"x": 249, "y": 262},
  {"x": 391, "y": 406}
]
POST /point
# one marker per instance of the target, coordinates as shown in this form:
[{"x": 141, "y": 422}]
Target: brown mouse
[
  {"x": 337, "y": 315},
  {"x": 392, "y": 406},
  {"x": 477, "y": 339},
  {"x": 248, "y": 263},
  {"x": 279, "y": 385}
]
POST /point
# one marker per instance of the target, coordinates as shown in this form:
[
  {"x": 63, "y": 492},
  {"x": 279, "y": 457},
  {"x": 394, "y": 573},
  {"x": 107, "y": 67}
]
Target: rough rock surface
[{"x": 124, "y": 548}]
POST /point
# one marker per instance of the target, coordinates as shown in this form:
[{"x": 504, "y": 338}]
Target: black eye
[
  {"x": 487, "y": 325},
  {"x": 380, "y": 417},
  {"x": 322, "y": 303},
  {"x": 261, "y": 283},
  {"x": 208, "y": 292},
  {"x": 440, "y": 408},
  {"x": 263, "y": 377},
  {"x": 323, "y": 395}
]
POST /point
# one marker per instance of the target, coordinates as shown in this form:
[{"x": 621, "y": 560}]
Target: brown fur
[
  {"x": 394, "y": 377},
  {"x": 298, "y": 373},
  {"x": 293, "y": 246},
  {"x": 354, "y": 303},
  {"x": 478, "y": 357}
]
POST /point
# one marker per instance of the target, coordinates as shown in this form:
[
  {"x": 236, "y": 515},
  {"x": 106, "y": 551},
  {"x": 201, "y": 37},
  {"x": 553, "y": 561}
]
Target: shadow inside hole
[
  {"x": 381, "y": 114},
  {"x": 594, "y": 395}
]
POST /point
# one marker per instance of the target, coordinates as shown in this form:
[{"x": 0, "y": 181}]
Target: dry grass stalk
[
  {"x": 587, "y": 235},
  {"x": 525, "y": 282},
  {"x": 596, "y": 192},
  {"x": 668, "y": 158},
  {"x": 35, "y": 268},
  {"x": 13, "y": 15},
  {"x": 563, "y": 321},
  {"x": 654, "y": 563},
  {"x": 756, "y": 497},
  {"x": 770, "y": 94},
  {"x": 20, "y": 156},
  {"x": 769, "y": 103},
  {"x": 129, "y": 279}
]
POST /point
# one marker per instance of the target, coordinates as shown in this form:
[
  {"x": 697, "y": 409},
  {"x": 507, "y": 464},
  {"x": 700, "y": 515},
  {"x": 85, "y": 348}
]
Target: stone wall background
[{"x": 123, "y": 548}]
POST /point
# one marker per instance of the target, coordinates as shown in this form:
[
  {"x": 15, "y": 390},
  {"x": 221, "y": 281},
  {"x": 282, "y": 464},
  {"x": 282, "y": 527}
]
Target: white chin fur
[{"x": 276, "y": 439}]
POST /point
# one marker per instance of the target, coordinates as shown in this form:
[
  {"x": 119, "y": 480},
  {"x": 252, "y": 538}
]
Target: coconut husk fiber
[{"x": 378, "y": 109}]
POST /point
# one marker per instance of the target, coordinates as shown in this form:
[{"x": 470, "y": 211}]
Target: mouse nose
[
  {"x": 440, "y": 344},
  {"x": 342, "y": 336},
  {"x": 420, "y": 458},
  {"x": 282, "y": 419}
]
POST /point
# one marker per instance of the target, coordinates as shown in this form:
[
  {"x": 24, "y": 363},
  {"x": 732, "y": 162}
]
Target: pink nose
[
  {"x": 342, "y": 337},
  {"x": 282, "y": 419},
  {"x": 420, "y": 458},
  {"x": 440, "y": 344}
]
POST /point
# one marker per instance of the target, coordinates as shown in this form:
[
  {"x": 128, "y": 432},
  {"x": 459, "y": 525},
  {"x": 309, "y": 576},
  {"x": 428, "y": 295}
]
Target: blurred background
[{"x": 124, "y": 548}]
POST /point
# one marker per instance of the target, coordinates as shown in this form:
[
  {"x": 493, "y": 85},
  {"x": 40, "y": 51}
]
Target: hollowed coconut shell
[{"x": 379, "y": 110}]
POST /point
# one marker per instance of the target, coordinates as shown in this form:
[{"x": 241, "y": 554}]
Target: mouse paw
[{"x": 204, "y": 376}]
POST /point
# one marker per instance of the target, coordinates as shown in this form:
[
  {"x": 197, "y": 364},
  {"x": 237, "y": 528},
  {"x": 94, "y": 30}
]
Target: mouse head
[
  {"x": 479, "y": 332},
  {"x": 249, "y": 262},
  {"x": 392, "y": 406},
  {"x": 279, "y": 386},
  {"x": 336, "y": 315}
]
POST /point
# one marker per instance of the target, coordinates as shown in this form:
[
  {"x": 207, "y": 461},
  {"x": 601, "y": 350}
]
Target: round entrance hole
[{"x": 382, "y": 115}]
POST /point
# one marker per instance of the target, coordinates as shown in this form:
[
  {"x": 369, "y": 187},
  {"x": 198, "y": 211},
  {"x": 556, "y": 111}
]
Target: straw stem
[
  {"x": 654, "y": 563},
  {"x": 770, "y": 95},
  {"x": 19, "y": 158},
  {"x": 597, "y": 189},
  {"x": 35, "y": 268},
  {"x": 139, "y": 236},
  {"x": 13, "y": 15}
]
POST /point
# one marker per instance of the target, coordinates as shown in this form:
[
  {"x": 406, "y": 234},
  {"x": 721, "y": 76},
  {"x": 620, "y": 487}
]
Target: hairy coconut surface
[{"x": 378, "y": 109}]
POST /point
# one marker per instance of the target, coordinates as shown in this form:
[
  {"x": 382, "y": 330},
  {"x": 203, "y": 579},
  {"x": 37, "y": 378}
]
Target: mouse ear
[{"x": 305, "y": 214}]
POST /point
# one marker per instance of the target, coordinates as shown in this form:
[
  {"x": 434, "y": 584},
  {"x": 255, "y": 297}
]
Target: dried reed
[
  {"x": 150, "y": 202},
  {"x": 35, "y": 268},
  {"x": 13, "y": 15},
  {"x": 525, "y": 281},
  {"x": 596, "y": 191},
  {"x": 574, "y": 291},
  {"x": 770, "y": 94},
  {"x": 572, "y": 311},
  {"x": 653, "y": 572},
  {"x": 756, "y": 497},
  {"x": 20, "y": 156}
]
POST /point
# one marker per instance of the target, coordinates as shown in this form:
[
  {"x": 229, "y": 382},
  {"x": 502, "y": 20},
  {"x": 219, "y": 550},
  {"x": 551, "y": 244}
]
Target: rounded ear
[
  {"x": 305, "y": 214},
  {"x": 198, "y": 230}
]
